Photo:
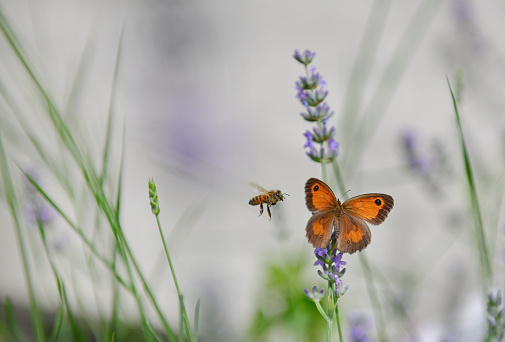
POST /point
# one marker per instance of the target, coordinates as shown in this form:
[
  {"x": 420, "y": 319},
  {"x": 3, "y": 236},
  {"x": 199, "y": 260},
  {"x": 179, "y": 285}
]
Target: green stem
[
  {"x": 372, "y": 293},
  {"x": 337, "y": 316},
  {"x": 482, "y": 245},
  {"x": 323, "y": 171},
  {"x": 179, "y": 293},
  {"x": 329, "y": 323}
]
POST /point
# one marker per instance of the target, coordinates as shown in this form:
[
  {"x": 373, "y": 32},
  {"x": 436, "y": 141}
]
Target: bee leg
[
  {"x": 261, "y": 209},
  {"x": 269, "y": 213}
]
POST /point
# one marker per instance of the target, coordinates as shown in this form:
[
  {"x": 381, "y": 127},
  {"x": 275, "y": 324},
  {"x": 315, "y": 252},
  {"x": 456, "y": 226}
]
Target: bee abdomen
[{"x": 255, "y": 200}]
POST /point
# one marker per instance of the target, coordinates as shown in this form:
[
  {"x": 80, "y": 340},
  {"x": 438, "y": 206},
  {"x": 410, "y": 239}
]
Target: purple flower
[
  {"x": 323, "y": 134},
  {"x": 305, "y": 57},
  {"x": 495, "y": 318},
  {"x": 333, "y": 152},
  {"x": 416, "y": 161},
  {"x": 38, "y": 211},
  {"x": 338, "y": 260},
  {"x": 310, "y": 140},
  {"x": 315, "y": 295},
  {"x": 311, "y": 81},
  {"x": 318, "y": 113},
  {"x": 36, "y": 208},
  {"x": 359, "y": 328},
  {"x": 311, "y": 93},
  {"x": 322, "y": 257},
  {"x": 331, "y": 264}
]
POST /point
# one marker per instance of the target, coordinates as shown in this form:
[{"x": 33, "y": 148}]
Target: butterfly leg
[
  {"x": 261, "y": 209},
  {"x": 269, "y": 213}
]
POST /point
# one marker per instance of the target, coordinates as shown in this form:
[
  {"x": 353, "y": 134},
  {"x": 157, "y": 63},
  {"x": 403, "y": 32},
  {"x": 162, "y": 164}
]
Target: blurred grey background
[{"x": 206, "y": 95}]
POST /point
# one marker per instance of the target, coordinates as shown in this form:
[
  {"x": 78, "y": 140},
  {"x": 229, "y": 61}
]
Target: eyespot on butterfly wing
[
  {"x": 354, "y": 234},
  {"x": 348, "y": 219},
  {"x": 373, "y": 208},
  {"x": 319, "y": 196}
]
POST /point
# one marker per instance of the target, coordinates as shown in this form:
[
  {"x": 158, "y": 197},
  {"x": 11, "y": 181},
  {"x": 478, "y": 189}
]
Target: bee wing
[{"x": 258, "y": 188}]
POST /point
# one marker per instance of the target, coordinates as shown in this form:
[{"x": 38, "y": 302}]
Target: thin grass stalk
[
  {"x": 197, "y": 319},
  {"x": 11, "y": 328},
  {"x": 88, "y": 172},
  {"x": 76, "y": 331},
  {"x": 374, "y": 298},
  {"x": 13, "y": 204},
  {"x": 184, "y": 313},
  {"x": 362, "y": 64},
  {"x": 76, "y": 229},
  {"x": 472, "y": 189},
  {"x": 389, "y": 82}
]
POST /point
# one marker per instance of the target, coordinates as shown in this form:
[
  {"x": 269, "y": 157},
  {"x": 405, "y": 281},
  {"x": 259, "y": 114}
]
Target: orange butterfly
[{"x": 348, "y": 218}]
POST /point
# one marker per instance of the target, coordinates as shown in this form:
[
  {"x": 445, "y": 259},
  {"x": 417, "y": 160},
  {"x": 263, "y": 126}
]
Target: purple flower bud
[{"x": 305, "y": 57}]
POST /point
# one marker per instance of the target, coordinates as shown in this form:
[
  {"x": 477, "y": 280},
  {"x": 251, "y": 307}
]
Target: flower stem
[
  {"x": 329, "y": 323},
  {"x": 372, "y": 293},
  {"x": 179, "y": 293},
  {"x": 337, "y": 316}
]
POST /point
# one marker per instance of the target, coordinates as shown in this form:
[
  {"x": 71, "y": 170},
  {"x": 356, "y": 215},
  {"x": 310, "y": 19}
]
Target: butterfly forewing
[
  {"x": 354, "y": 234},
  {"x": 373, "y": 208},
  {"x": 318, "y": 196}
]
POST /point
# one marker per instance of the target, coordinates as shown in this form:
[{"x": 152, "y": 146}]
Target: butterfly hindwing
[
  {"x": 319, "y": 228},
  {"x": 354, "y": 234}
]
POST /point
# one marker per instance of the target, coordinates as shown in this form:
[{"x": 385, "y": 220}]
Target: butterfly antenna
[{"x": 345, "y": 193}]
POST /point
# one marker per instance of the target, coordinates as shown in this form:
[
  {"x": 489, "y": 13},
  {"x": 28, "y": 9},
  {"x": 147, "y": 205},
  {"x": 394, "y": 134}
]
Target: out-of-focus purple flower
[
  {"x": 411, "y": 148},
  {"x": 430, "y": 162},
  {"x": 360, "y": 327},
  {"x": 311, "y": 81},
  {"x": 315, "y": 295},
  {"x": 312, "y": 98},
  {"x": 333, "y": 152},
  {"x": 340, "y": 289},
  {"x": 323, "y": 134},
  {"x": 36, "y": 209},
  {"x": 305, "y": 57},
  {"x": 311, "y": 94},
  {"x": 310, "y": 140},
  {"x": 495, "y": 317}
]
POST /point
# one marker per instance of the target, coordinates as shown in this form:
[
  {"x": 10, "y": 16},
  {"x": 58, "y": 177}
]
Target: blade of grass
[
  {"x": 184, "y": 313},
  {"x": 58, "y": 323},
  {"x": 10, "y": 318},
  {"x": 75, "y": 228},
  {"x": 197, "y": 319},
  {"x": 362, "y": 65},
  {"x": 390, "y": 80},
  {"x": 48, "y": 160},
  {"x": 13, "y": 204},
  {"x": 472, "y": 189},
  {"x": 93, "y": 183},
  {"x": 76, "y": 331},
  {"x": 110, "y": 121}
]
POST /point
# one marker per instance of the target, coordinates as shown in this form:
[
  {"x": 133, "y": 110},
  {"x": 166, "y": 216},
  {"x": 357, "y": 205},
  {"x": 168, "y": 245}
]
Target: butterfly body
[{"x": 348, "y": 219}]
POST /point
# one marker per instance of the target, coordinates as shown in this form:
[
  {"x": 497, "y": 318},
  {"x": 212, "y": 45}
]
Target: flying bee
[{"x": 267, "y": 197}]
